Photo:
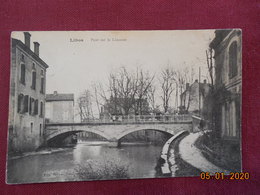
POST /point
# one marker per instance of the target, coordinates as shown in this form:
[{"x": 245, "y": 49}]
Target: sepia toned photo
[{"x": 105, "y": 105}]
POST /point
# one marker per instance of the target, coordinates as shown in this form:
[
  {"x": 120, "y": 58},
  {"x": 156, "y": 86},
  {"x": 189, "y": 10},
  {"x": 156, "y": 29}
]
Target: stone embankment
[
  {"x": 185, "y": 159},
  {"x": 165, "y": 167}
]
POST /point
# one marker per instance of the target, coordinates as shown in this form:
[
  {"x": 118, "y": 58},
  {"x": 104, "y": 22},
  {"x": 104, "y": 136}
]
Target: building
[
  {"x": 59, "y": 108},
  {"x": 27, "y": 96},
  {"x": 228, "y": 77},
  {"x": 193, "y": 99}
]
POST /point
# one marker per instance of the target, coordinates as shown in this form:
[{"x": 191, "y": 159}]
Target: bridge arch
[
  {"x": 61, "y": 135},
  {"x": 125, "y": 133}
]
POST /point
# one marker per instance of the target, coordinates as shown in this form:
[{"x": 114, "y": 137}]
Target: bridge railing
[{"x": 143, "y": 118}]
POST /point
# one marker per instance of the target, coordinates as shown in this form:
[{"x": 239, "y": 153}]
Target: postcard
[{"x": 105, "y": 105}]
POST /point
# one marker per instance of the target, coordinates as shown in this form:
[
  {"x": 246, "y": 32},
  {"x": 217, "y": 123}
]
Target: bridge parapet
[{"x": 139, "y": 119}]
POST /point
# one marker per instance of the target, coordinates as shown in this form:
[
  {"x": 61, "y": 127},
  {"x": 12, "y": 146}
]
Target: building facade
[
  {"x": 27, "y": 96},
  {"x": 228, "y": 81},
  {"x": 59, "y": 108},
  {"x": 193, "y": 99}
]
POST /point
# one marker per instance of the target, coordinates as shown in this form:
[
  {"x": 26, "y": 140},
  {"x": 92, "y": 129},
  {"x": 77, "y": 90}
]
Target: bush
[{"x": 102, "y": 169}]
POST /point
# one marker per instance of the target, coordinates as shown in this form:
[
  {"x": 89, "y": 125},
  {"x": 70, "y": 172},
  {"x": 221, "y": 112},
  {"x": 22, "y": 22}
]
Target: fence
[{"x": 142, "y": 118}]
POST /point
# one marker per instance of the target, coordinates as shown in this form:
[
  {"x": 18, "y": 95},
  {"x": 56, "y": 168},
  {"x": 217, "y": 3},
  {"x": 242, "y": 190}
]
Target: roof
[
  {"x": 60, "y": 97},
  {"x": 29, "y": 51},
  {"x": 201, "y": 85}
]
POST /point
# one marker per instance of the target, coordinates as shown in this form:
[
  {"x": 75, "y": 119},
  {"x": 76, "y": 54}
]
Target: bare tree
[
  {"x": 85, "y": 106},
  {"x": 95, "y": 88},
  {"x": 127, "y": 89},
  {"x": 122, "y": 91},
  {"x": 151, "y": 97},
  {"x": 184, "y": 77},
  {"x": 143, "y": 86},
  {"x": 168, "y": 81}
]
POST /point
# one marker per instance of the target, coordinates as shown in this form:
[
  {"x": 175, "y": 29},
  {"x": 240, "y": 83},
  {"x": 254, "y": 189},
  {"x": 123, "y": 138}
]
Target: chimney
[
  {"x": 187, "y": 85},
  {"x": 36, "y": 48},
  {"x": 55, "y": 92},
  {"x": 27, "y": 39},
  {"x": 205, "y": 81}
]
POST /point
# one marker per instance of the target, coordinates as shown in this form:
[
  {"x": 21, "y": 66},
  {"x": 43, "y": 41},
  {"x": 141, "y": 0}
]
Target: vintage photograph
[{"x": 105, "y": 105}]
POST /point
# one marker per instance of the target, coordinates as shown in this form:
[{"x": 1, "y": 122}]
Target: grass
[
  {"x": 101, "y": 169},
  {"x": 223, "y": 153}
]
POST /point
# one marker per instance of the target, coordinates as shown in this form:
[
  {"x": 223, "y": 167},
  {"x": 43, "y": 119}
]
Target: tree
[
  {"x": 144, "y": 86},
  {"x": 167, "y": 81},
  {"x": 96, "y": 98},
  {"x": 85, "y": 106},
  {"x": 184, "y": 77},
  {"x": 151, "y": 98},
  {"x": 123, "y": 89},
  {"x": 127, "y": 91}
]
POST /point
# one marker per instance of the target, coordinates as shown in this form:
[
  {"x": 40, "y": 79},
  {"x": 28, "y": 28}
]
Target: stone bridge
[{"x": 114, "y": 131}]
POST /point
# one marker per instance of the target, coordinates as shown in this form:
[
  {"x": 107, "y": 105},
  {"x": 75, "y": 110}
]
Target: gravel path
[{"x": 194, "y": 157}]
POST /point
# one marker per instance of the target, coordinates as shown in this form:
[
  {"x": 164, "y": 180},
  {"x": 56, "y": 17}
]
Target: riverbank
[
  {"x": 178, "y": 166},
  {"x": 163, "y": 162},
  {"x": 187, "y": 159},
  {"x": 41, "y": 151}
]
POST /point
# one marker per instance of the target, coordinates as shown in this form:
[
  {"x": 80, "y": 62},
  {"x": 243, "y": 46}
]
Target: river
[{"x": 52, "y": 165}]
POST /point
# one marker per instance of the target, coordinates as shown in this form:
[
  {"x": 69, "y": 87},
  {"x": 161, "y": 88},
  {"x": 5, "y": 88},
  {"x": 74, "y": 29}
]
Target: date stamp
[{"x": 222, "y": 176}]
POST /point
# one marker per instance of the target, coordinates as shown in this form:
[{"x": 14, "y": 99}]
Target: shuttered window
[
  {"x": 25, "y": 104},
  {"x": 233, "y": 60},
  {"x": 41, "y": 109},
  {"x": 36, "y": 107},
  {"x": 34, "y": 80},
  {"x": 31, "y": 106},
  {"x": 20, "y": 102},
  {"x": 42, "y": 85},
  {"x": 22, "y": 74}
]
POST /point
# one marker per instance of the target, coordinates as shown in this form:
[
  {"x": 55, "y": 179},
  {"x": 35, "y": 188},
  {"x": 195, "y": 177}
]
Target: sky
[{"x": 75, "y": 65}]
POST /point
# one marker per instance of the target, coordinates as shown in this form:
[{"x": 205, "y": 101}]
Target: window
[
  {"x": 31, "y": 127},
  {"x": 22, "y": 106},
  {"x": 41, "y": 109},
  {"x": 32, "y": 105},
  {"x": 35, "y": 107},
  {"x": 42, "y": 85},
  {"x": 25, "y": 103},
  {"x": 233, "y": 60},
  {"x": 22, "y": 74},
  {"x": 20, "y": 103},
  {"x": 40, "y": 129},
  {"x": 34, "y": 79}
]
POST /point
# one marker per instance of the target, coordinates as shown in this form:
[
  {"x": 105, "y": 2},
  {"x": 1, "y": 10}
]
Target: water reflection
[{"x": 59, "y": 166}]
